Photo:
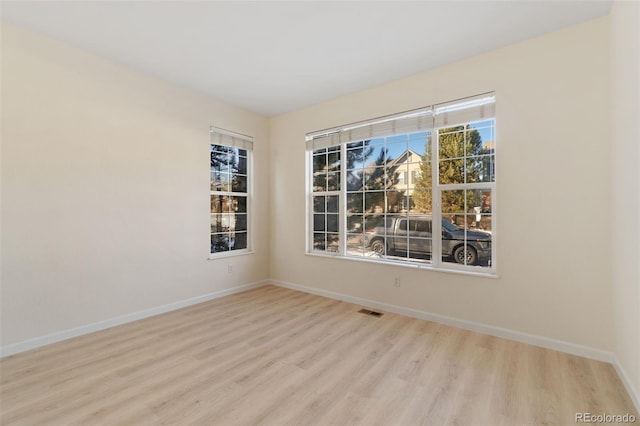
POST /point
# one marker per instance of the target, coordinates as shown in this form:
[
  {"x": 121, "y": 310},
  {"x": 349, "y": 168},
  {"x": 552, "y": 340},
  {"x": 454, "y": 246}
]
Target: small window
[
  {"x": 230, "y": 172},
  {"x": 402, "y": 178}
]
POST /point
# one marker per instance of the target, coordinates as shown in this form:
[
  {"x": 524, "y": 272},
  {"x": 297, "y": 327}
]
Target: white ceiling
[{"x": 276, "y": 56}]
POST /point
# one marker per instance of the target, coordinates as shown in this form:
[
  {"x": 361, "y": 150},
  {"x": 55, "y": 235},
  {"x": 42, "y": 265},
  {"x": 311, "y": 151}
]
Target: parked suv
[{"x": 413, "y": 234}]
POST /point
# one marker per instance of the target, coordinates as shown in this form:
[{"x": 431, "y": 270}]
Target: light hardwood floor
[{"x": 274, "y": 356}]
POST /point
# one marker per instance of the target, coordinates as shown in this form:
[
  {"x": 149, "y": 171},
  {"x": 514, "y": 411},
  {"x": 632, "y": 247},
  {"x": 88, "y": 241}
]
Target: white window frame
[
  {"x": 227, "y": 138},
  {"x": 460, "y": 112}
]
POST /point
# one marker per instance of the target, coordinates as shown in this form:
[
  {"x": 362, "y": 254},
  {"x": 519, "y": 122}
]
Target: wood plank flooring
[{"x": 273, "y": 356}]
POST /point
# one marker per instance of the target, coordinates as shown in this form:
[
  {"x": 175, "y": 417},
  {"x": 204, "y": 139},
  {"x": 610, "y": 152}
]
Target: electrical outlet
[
  {"x": 396, "y": 282},
  {"x": 229, "y": 269}
]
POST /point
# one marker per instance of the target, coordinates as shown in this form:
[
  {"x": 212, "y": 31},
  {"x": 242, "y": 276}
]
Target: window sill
[
  {"x": 491, "y": 273},
  {"x": 230, "y": 254}
]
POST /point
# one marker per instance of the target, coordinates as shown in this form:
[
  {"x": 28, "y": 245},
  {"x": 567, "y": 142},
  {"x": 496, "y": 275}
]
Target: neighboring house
[
  {"x": 407, "y": 167},
  {"x": 401, "y": 174}
]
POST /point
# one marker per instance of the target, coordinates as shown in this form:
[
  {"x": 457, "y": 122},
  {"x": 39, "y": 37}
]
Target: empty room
[{"x": 414, "y": 213}]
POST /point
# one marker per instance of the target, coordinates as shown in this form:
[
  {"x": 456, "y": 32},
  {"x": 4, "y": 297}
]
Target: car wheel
[
  {"x": 378, "y": 247},
  {"x": 472, "y": 255}
]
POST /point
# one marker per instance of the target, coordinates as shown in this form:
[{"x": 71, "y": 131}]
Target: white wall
[
  {"x": 554, "y": 179},
  {"x": 625, "y": 188},
  {"x": 105, "y": 190}
]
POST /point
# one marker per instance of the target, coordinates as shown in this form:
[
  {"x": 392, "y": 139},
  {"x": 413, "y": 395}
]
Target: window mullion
[
  {"x": 249, "y": 195},
  {"x": 436, "y": 203},
  {"x": 309, "y": 201},
  {"x": 342, "y": 201}
]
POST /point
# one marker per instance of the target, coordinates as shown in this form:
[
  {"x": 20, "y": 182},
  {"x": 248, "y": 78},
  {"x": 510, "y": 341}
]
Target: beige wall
[
  {"x": 625, "y": 189},
  {"x": 554, "y": 180},
  {"x": 102, "y": 214},
  {"x": 104, "y": 190}
]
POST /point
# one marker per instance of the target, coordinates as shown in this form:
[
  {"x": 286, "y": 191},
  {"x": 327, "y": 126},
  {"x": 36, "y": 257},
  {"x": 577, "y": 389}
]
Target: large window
[
  {"x": 416, "y": 188},
  {"x": 230, "y": 190}
]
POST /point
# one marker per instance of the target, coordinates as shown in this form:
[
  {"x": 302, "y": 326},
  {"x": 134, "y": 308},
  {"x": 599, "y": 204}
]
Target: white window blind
[
  {"x": 396, "y": 124},
  {"x": 225, "y": 137},
  {"x": 465, "y": 110}
]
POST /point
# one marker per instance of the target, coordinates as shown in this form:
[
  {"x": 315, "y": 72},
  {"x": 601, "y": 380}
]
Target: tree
[
  {"x": 373, "y": 179},
  {"x": 372, "y": 182},
  {"x": 224, "y": 167},
  {"x": 458, "y": 151},
  {"x": 358, "y": 154},
  {"x": 422, "y": 187},
  {"x": 326, "y": 169}
]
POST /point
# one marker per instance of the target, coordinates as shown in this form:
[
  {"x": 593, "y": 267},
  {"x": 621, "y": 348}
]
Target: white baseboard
[
  {"x": 531, "y": 339},
  {"x": 633, "y": 392},
  {"x": 48, "y": 339}
]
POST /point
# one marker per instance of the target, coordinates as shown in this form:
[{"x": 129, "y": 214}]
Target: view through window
[
  {"x": 419, "y": 189},
  {"x": 230, "y": 172}
]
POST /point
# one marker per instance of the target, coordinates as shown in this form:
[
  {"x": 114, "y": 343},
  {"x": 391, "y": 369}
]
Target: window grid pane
[
  {"x": 325, "y": 223},
  {"x": 229, "y": 199},
  {"x": 388, "y": 190}
]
